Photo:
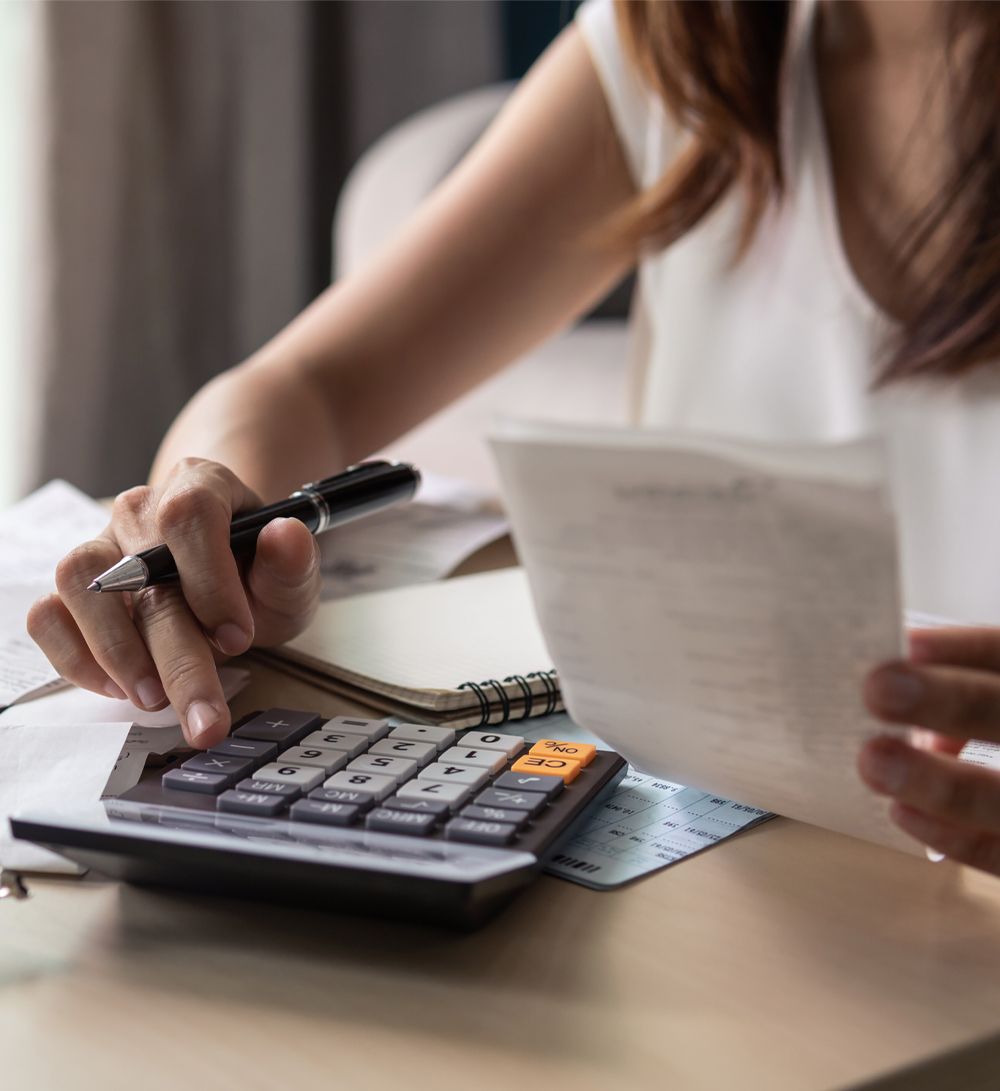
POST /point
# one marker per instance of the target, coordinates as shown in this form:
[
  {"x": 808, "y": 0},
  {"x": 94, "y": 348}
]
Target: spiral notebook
[{"x": 465, "y": 651}]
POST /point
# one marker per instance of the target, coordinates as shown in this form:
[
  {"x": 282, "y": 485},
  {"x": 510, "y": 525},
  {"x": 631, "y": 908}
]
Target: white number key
[
  {"x": 473, "y": 776},
  {"x": 327, "y": 760},
  {"x": 399, "y": 769},
  {"x": 346, "y": 781},
  {"x": 485, "y": 740},
  {"x": 306, "y": 777},
  {"x": 494, "y": 760},
  {"x": 420, "y": 752},
  {"x": 454, "y": 794}
]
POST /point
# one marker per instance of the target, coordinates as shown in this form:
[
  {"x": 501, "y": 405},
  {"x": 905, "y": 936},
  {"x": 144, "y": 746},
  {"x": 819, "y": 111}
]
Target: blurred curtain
[{"x": 171, "y": 234}]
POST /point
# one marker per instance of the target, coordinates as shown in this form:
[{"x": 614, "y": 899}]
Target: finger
[
  {"x": 185, "y": 663},
  {"x": 973, "y": 847},
  {"x": 193, "y": 516},
  {"x": 52, "y": 628},
  {"x": 954, "y": 701},
  {"x": 284, "y": 581},
  {"x": 976, "y": 646},
  {"x": 105, "y": 625},
  {"x": 938, "y": 785}
]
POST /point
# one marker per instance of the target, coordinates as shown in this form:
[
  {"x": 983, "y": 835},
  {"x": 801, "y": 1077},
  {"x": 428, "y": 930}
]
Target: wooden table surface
[{"x": 787, "y": 958}]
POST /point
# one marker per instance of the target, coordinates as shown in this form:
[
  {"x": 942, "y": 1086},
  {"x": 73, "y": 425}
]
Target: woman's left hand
[{"x": 950, "y": 687}]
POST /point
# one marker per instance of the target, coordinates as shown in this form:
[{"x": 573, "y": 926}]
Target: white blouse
[{"x": 783, "y": 345}]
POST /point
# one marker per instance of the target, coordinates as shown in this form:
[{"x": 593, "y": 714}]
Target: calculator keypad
[{"x": 416, "y": 780}]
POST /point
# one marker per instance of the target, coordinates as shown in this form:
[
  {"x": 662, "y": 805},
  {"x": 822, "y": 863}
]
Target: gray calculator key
[
  {"x": 399, "y": 768},
  {"x": 488, "y": 740},
  {"x": 236, "y": 801},
  {"x": 442, "y": 737},
  {"x": 190, "y": 780},
  {"x": 352, "y": 745},
  {"x": 281, "y": 725},
  {"x": 305, "y": 776},
  {"x": 390, "y": 821},
  {"x": 288, "y": 792},
  {"x": 258, "y": 752},
  {"x": 480, "y": 833},
  {"x": 364, "y": 801},
  {"x": 233, "y": 768},
  {"x": 326, "y": 814},
  {"x": 531, "y": 782},
  {"x": 420, "y": 752},
  {"x": 532, "y": 802},
  {"x": 327, "y": 760},
  {"x": 371, "y": 729},
  {"x": 453, "y": 794},
  {"x": 379, "y": 787},
  {"x": 491, "y": 760},
  {"x": 495, "y": 814},
  {"x": 472, "y": 776},
  {"x": 427, "y": 805}
]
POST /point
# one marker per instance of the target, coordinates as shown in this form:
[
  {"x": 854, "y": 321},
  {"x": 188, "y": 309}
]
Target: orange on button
[
  {"x": 582, "y": 752},
  {"x": 553, "y": 767}
]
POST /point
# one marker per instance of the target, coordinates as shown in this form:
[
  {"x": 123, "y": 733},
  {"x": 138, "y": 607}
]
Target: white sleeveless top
[{"x": 783, "y": 345}]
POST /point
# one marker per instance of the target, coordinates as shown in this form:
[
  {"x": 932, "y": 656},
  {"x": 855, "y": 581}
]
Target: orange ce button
[{"x": 553, "y": 767}]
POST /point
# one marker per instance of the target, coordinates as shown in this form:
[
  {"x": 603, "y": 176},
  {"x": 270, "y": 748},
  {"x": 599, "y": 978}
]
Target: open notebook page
[
  {"x": 713, "y": 606},
  {"x": 419, "y": 644}
]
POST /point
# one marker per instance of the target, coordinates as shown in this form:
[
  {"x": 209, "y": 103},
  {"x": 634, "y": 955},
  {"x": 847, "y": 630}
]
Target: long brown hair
[{"x": 717, "y": 65}]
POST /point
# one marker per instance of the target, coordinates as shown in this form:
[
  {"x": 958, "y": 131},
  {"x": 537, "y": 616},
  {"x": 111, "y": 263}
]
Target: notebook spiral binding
[{"x": 548, "y": 680}]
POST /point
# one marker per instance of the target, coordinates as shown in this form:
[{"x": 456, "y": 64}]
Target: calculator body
[{"x": 420, "y": 848}]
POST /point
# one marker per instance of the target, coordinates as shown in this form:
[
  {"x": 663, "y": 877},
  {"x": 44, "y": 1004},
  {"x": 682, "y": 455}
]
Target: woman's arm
[{"x": 500, "y": 255}]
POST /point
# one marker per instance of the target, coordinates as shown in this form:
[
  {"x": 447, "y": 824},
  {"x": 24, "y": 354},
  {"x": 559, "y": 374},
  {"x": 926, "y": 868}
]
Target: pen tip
[{"x": 95, "y": 586}]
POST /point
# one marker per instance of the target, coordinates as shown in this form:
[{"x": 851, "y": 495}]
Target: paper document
[
  {"x": 411, "y": 543},
  {"x": 712, "y": 606},
  {"x": 646, "y": 825}
]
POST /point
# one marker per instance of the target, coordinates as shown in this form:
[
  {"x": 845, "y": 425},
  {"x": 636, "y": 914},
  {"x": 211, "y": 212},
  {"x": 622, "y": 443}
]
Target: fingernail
[
  {"x": 895, "y": 690},
  {"x": 231, "y": 639},
  {"x": 885, "y": 772},
  {"x": 112, "y": 689},
  {"x": 201, "y": 717},
  {"x": 150, "y": 692}
]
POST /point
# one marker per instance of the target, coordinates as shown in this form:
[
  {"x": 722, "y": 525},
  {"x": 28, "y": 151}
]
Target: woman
[{"x": 815, "y": 195}]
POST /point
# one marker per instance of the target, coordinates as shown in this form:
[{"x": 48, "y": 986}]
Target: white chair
[{"x": 579, "y": 375}]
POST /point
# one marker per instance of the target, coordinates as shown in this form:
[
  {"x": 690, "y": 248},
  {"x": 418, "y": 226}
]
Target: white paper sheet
[
  {"x": 712, "y": 607},
  {"x": 52, "y": 767},
  {"x": 412, "y": 543}
]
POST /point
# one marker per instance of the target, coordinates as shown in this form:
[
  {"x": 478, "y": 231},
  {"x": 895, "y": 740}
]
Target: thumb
[{"x": 284, "y": 581}]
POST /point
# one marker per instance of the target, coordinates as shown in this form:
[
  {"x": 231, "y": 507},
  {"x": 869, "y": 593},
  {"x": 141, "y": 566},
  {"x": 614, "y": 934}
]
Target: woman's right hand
[{"x": 162, "y": 644}]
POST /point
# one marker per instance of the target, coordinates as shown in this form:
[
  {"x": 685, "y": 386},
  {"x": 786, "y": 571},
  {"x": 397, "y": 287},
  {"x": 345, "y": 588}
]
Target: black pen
[{"x": 367, "y": 487}]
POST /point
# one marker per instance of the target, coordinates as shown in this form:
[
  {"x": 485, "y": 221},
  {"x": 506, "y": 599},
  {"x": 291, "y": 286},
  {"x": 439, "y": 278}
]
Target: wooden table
[{"x": 787, "y": 958}]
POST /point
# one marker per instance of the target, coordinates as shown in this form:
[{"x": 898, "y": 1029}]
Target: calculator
[{"x": 409, "y": 821}]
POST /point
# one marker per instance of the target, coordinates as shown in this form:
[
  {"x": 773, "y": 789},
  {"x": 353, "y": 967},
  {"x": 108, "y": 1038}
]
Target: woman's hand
[
  {"x": 162, "y": 644},
  {"x": 950, "y": 687}
]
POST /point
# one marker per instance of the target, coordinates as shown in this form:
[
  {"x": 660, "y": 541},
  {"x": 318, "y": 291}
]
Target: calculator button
[
  {"x": 391, "y": 821},
  {"x": 364, "y": 801},
  {"x": 399, "y": 768},
  {"x": 379, "y": 787},
  {"x": 326, "y": 814},
  {"x": 305, "y": 776},
  {"x": 420, "y": 752},
  {"x": 233, "y": 768},
  {"x": 480, "y": 833},
  {"x": 452, "y": 794},
  {"x": 352, "y": 745},
  {"x": 437, "y": 807},
  {"x": 495, "y": 814},
  {"x": 492, "y": 760},
  {"x": 258, "y": 752},
  {"x": 236, "y": 801},
  {"x": 327, "y": 760},
  {"x": 190, "y": 780},
  {"x": 371, "y": 729},
  {"x": 487, "y": 740},
  {"x": 538, "y": 763},
  {"x": 288, "y": 792},
  {"x": 442, "y": 737},
  {"x": 531, "y": 782},
  {"x": 583, "y": 752},
  {"x": 507, "y": 798},
  {"x": 473, "y": 776},
  {"x": 281, "y": 725}
]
